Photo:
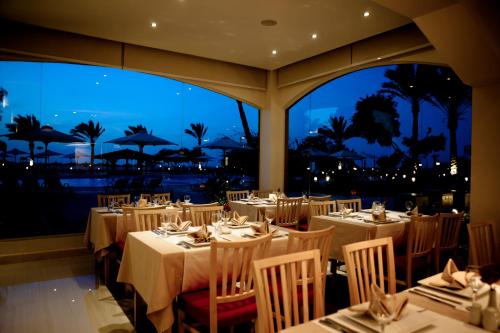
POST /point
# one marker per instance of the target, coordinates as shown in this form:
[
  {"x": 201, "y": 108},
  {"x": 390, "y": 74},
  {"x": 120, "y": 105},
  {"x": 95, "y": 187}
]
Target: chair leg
[
  {"x": 181, "y": 316},
  {"x": 135, "y": 308}
]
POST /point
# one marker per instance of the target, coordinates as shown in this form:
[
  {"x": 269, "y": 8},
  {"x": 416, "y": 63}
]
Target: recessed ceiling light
[
  {"x": 366, "y": 14},
  {"x": 268, "y": 22},
  {"x": 274, "y": 51},
  {"x": 153, "y": 24},
  {"x": 314, "y": 36}
]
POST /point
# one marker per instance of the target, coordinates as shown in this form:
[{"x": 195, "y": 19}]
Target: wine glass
[
  {"x": 269, "y": 216},
  {"x": 382, "y": 310},
  {"x": 409, "y": 205},
  {"x": 187, "y": 198},
  {"x": 342, "y": 210},
  {"x": 473, "y": 279}
]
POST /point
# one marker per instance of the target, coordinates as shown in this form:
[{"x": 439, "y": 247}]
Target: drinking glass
[
  {"x": 473, "y": 279},
  {"x": 383, "y": 313},
  {"x": 269, "y": 216},
  {"x": 225, "y": 217},
  {"x": 342, "y": 210},
  {"x": 408, "y": 205},
  {"x": 187, "y": 198}
]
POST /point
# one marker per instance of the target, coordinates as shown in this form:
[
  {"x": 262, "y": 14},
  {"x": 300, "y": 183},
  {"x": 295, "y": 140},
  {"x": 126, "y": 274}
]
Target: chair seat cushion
[{"x": 196, "y": 304}]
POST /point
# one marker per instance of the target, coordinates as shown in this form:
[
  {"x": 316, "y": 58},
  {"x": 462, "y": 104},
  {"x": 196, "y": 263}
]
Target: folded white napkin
[
  {"x": 239, "y": 220},
  {"x": 178, "y": 225},
  {"x": 450, "y": 278}
]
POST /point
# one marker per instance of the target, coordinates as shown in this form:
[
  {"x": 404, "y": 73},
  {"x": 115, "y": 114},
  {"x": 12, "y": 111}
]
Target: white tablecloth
[
  {"x": 354, "y": 229},
  {"x": 160, "y": 270}
]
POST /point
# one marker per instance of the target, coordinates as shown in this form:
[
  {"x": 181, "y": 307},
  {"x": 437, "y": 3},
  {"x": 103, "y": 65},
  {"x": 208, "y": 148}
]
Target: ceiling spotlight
[
  {"x": 153, "y": 24},
  {"x": 314, "y": 36},
  {"x": 366, "y": 14},
  {"x": 274, "y": 52}
]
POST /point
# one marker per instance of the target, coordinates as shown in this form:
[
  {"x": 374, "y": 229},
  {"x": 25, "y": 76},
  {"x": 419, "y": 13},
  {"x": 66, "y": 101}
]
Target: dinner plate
[
  {"x": 237, "y": 226},
  {"x": 171, "y": 232},
  {"x": 466, "y": 292},
  {"x": 387, "y": 221},
  {"x": 191, "y": 243},
  {"x": 412, "y": 320}
]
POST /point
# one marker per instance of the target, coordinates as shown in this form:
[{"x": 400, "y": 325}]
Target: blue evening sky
[{"x": 63, "y": 95}]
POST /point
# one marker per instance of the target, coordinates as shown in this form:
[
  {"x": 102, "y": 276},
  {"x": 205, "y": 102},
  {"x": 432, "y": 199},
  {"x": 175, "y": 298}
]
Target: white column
[{"x": 272, "y": 139}]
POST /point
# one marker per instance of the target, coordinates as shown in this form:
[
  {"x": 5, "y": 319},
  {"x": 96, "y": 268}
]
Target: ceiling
[{"x": 227, "y": 30}]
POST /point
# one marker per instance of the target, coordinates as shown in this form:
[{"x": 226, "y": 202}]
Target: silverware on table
[
  {"x": 335, "y": 325},
  {"x": 440, "y": 299}
]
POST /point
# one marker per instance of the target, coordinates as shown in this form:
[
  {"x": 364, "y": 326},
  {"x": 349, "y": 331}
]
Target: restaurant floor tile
[{"x": 57, "y": 295}]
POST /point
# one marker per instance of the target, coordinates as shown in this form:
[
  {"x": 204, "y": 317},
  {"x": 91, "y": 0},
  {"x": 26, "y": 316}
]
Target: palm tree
[
  {"x": 411, "y": 83},
  {"x": 91, "y": 132},
  {"x": 24, "y": 128},
  {"x": 338, "y": 131},
  {"x": 251, "y": 140},
  {"x": 376, "y": 120},
  {"x": 197, "y": 131},
  {"x": 452, "y": 97},
  {"x": 136, "y": 129}
]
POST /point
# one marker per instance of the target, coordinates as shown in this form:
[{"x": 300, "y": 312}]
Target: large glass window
[
  {"x": 50, "y": 191},
  {"x": 392, "y": 133}
]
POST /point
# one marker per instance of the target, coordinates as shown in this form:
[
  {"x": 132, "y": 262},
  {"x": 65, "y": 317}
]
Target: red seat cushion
[{"x": 197, "y": 305}]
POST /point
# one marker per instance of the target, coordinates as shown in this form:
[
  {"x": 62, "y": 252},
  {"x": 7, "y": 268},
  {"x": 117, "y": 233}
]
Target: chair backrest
[
  {"x": 204, "y": 214},
  {"x": 233, "y": 280},
  {"x": 262, "y": 193},
  {"x": 320, "y": 198},
  {"x": 146, "y": 196},
  {"x": 482, "y": 244},
  {"x": 237, "y": 195},
  {"x": 368, "y": 262},
  {"x": 103, "y": 200},
  {"x": 162, "y": 197},
  {"x": 448, "y": 230},
  {"x": 282, "y": 286},
  {"x": 317, "y": 208},
  {"x": 354, "y": 204},
  {"x": 150, "y": 218},
  {"x": 421, "y": 236},
  {"x": 310, "y": 240},
  {"x": 288, "y": 212}
]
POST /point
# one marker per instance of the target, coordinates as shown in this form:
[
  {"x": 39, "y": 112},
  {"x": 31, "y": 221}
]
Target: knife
[
  {"x": 444, "y": 300},
  {"x": 335, "y": 325}
]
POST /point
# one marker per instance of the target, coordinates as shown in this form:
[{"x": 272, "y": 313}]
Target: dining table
[
  {"x": 106, "y": 226},
  {"x": 360, "y": 226},
  {"x": 255, "y": 209},
  {"x": 422, "y": 314},
  {"x": 160, "y": 266}
]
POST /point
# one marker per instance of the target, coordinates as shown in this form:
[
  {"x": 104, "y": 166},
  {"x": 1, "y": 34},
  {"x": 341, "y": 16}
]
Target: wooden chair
[
  {"x": 103, "y": 200},
  {"x": 320, "y": 198},
  {"x": 149, "y": 218},
  {"x": 237, "y": 195},
  {"x": 203, "y": 214},
  {"x": 368, "y": 262},
  {"x": 419, "y": 247},
  {"x": 282, "y": 286},
  {"x": 310, "y": 240},
  {"x": 146, "y": 196},
  {"x": 262, "y": 193},
  {"x": 186, "y": 209},
  {"x": 162, "y": 197},
  {"x": 354, "y": 204},
  {"x": 288, "y": 212},
  {"x": 482, "y": 244},
  {"x": 448, "y": 232},
  {"x": 324, "y": 207},
  {"x": 229, "y": 301}
]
